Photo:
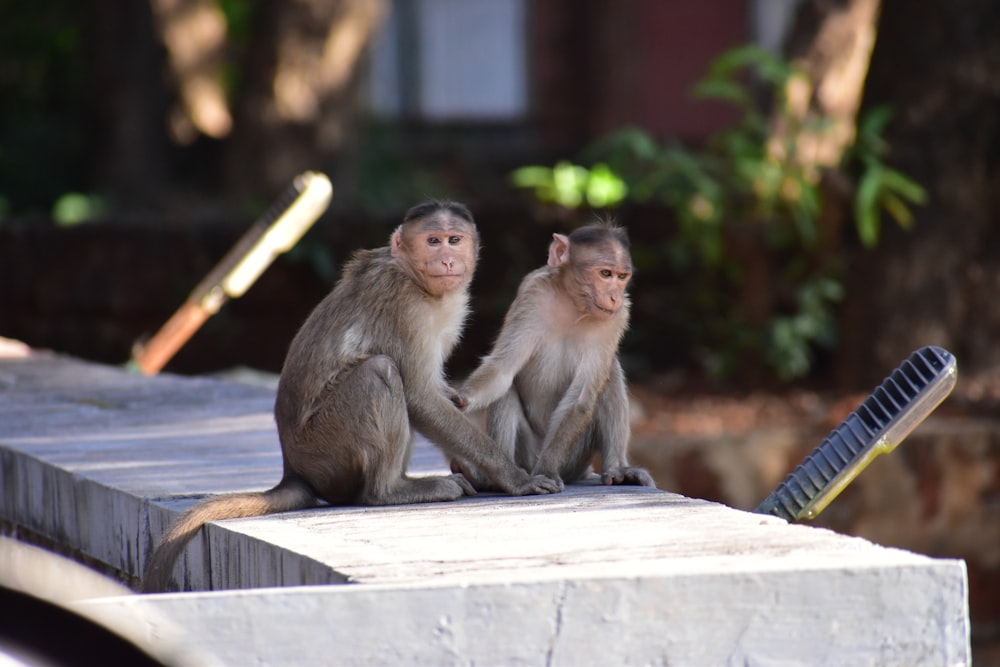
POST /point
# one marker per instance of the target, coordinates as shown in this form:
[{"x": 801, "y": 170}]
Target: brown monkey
[
  {"x": 363, "y": 372},
  {"x": 553, "y": 388}
]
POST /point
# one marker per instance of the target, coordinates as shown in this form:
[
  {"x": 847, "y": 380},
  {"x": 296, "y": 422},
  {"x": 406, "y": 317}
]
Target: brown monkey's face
[
  {"x": 602, "y": 275},
  {"x": 440, "y": 251}
]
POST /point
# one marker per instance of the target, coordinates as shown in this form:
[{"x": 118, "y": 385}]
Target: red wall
[
  {"x": 601, "y": 64},
  {"x": 675, "y": 42}
]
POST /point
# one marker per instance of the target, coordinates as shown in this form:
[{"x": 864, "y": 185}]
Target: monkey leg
[
  {"x": 357, "y": 444},
  {"x": 598, "y": 440},
  {"x": 508, "y": 425},
  {"x": 610, "y": 432},
  {"x": 578, "y": 462},
  {"x": 505, "y": 422}
]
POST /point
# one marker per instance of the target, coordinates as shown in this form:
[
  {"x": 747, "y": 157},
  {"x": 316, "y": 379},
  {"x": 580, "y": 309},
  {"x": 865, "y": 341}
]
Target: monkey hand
[
  {"x": 537, "y": 485},
  {"x": 636, "y": 476},
  {"x": 466, "y": 487},
  {"x": 471, "y": 475},
  {"x": 456, "y": 398}
]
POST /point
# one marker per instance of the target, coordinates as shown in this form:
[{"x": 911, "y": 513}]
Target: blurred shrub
[{"x": 73, "y": 208}]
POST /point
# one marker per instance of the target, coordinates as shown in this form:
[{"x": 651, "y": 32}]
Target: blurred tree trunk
[
  {"x": 937, "y": 62},
  {"x": 128, "y": 101},
  {"x": 299, "y": 97},
  {"x": 194, "y": 34},
  {"x": 832, "y": 42}
]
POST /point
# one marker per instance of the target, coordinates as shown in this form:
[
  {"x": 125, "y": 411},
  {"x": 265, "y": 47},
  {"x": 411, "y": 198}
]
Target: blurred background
[{"x": 810, "y": 187}]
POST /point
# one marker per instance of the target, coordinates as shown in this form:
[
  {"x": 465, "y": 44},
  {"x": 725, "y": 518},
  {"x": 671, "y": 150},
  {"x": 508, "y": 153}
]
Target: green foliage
[
  {"x": 73, "y": 208},
  {"x": 571, "y": 185},
  {"x": 879, "y": 187},
  {"x": 790, "y": 337},
  {"x": 749, "y": 185}
]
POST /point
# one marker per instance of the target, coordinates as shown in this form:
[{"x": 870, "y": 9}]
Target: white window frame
[{"x": 451, "y": 60}]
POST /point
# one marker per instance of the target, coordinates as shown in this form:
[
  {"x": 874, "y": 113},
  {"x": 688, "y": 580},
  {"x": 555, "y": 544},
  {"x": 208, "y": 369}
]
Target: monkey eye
[
  {"x": 622, "y": 276},
  {"x": 433, "y": 240},
  {"x": 454, "y": 240},
  {"x": 605, "y": 273}
]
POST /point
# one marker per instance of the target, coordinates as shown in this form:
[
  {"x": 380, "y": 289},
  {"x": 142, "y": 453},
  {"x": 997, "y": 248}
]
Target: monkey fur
[
  {"x": 361, "y": 375},
  {"x": 552, "y": 387}
]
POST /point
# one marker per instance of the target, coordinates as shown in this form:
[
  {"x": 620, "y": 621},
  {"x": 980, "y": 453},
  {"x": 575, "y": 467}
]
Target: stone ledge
[
  {"x": 99, "y": 460},
  {"x": 882, "y": 615}
]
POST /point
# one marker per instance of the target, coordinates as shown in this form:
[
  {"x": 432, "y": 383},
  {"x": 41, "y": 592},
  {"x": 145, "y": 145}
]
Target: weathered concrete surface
[
  {"x": 938, "y": 493},
  {"x": 100, "y": 460},
  {"x": 825, "y": 616}
]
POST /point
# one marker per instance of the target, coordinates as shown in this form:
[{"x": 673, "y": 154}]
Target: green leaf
[
  {"x": 874, "y": 121},
  {"x": 903, "y": 185},
  {"x": 722, "y": 89},
  {"x": 829, "y": 289},
  {"x": 73, "y": 208},
  {"x": 866, "y": 206},
  {"x": 899, "y": 211},
  {"x": 604, "y": 187},
  {"x": 636, "y": 140},
  {"x": 749, "y": 55},
  {"x": 568, "y": 182},
  {"x": 810, "y": 196},
  {"x": 531, "y": 176}
]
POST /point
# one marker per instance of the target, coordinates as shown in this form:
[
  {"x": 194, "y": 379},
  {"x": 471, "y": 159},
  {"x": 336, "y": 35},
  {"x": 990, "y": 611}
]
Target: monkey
[
  {"x": 364, "y": 372},
  {"x": 552, "y": 386}
]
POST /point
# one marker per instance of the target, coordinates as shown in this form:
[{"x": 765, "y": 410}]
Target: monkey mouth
[{"x": 604, "y": 311}]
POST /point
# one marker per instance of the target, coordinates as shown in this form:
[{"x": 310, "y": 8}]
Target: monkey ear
[
  {"x": 558, "y": 250},
  {"x": 396, "y": 242}
]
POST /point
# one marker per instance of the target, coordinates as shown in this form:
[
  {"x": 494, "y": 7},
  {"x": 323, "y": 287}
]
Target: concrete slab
[
  {"x": 826, "y": 616},
  {"x": 100, "y": 460}
]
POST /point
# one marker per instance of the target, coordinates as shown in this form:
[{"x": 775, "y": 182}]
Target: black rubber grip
[{"x": 880, "y": 423}]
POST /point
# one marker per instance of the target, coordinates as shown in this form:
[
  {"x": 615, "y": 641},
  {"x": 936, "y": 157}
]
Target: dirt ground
[{"x": 668, "y": 407}]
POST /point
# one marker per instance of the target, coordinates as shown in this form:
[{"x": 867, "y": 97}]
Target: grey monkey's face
[
  {"x": 602, "y": 276},
  {"x": 441, "y": 251},
  {"x": 607, "y": 291}
]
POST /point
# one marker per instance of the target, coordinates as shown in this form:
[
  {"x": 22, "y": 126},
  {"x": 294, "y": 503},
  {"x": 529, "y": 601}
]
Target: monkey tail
[{"x": 291, "y": 493}]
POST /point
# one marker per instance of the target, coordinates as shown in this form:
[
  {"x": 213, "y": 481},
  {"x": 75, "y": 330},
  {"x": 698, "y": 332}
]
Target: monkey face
[
  {"x": 439, "y": 251},
  {"x": 601, "y": 276},
  {"x": 607, "y": 289}
]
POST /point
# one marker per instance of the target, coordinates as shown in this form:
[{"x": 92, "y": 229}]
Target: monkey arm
[
  {"x": 456, "y": 398},
  {"x": 487, "y": 384},
  {"x": 436, "y": 417},
  {"x": 612, "y": 420},
  {"x": 514, "y": 347}
]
